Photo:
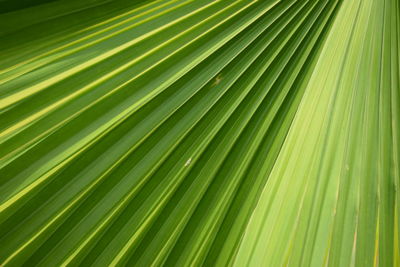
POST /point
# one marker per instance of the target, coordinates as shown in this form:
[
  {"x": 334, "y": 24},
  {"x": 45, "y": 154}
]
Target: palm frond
[{"x": 200, "y": 133}]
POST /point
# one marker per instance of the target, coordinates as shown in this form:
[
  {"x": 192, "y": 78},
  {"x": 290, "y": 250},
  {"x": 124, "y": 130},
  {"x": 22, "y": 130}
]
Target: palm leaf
[{"x": 189, "y": 133}]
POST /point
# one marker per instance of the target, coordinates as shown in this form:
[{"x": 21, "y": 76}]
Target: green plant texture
[{"x": 200, "y": 133}]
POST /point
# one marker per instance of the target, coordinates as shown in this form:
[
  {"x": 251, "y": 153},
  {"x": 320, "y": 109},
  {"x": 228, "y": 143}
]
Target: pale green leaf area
[{"x": 200, "y": 133}]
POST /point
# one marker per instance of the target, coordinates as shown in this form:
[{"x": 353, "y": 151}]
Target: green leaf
[{"x": 200, "y": 133}]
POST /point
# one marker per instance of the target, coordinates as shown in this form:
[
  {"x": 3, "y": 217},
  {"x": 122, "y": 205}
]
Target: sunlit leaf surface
[{"x": 200, "y": 133}]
